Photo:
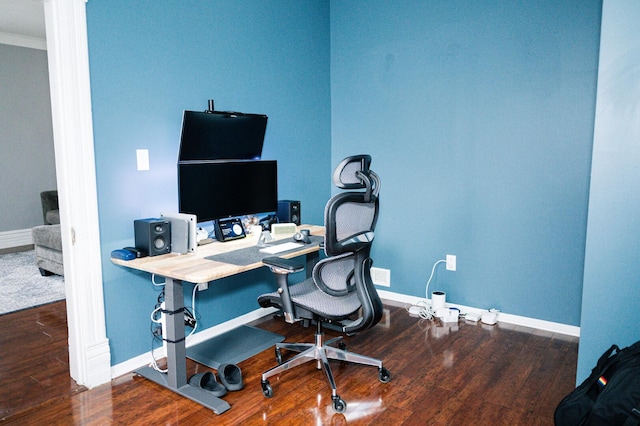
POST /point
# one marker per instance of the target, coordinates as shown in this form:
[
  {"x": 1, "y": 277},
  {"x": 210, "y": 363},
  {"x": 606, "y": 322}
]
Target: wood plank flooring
[{"x": 442, "y": 375}]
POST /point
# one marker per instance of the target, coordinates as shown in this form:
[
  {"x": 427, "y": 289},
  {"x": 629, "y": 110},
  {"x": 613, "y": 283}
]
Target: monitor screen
[
  {"x": 220, "y": 189},
  {"x": 221, "y": 136}
]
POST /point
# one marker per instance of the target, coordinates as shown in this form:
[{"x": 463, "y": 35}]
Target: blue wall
[
  {"x": 611, "y": 291},
  {"x": 150, "y": 61},
  {"x": 479, "y": 116}
]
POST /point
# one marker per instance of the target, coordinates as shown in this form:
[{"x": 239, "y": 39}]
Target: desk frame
[
  {"x": 176, "y": 377},
  {"x": 194, "y": 268}
]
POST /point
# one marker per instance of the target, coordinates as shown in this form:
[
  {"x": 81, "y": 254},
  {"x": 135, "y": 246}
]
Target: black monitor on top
[
  {"x": 217, "y": 135},
  {"x": 220, "y": 189}
]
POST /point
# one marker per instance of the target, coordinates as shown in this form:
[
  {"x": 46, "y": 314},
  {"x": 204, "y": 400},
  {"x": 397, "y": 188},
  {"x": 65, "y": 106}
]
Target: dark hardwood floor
[
  {"x": 442, "y": 375},
  {"x": 34, "y": 358}
]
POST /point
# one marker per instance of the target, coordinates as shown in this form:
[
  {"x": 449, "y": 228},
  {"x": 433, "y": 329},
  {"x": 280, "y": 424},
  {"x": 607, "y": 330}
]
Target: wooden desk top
[{"x": 195, "y": 268}]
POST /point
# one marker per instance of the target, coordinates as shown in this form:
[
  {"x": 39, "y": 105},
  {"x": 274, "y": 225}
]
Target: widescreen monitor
[
  {"x": 221, "y": 189},
  {"x": 221, "y": 136}
]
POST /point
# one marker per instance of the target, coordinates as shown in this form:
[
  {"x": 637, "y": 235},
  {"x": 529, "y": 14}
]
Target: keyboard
[{"x": 280, "y": 248}]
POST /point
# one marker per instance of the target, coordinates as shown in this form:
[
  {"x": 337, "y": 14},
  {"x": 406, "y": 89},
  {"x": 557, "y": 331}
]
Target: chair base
[{"x": 321, "y": 352}]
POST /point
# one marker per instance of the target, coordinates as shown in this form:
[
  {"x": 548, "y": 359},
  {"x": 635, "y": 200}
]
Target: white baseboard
[
  {"x": 554, "y": 327},
  {"x": 98, "y": 360},
  {"x": 146, "y": 358},
  {"x": 17, "y": 238}
]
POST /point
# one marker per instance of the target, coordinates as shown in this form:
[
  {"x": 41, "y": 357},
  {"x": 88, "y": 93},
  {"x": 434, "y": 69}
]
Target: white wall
[
  {"x": 27, "y": 164},
  {"x": 611, "y": 292}
]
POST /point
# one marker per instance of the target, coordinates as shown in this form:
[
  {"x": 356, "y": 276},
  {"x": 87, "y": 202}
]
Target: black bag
[{"x": 609, "y": 396}]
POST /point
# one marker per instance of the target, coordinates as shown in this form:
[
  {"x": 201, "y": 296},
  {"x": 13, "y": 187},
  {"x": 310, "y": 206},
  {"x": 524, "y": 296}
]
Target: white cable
[
  {"x": 154, "y": 319},
  {"x": 153, "y": 315},
  {"x": 431, "y": 276},
  {"x": 425, "y": 309},
  {"x": 154, "y": 363},
  {"x": 193, "y": 307},
  {"x": 153, "y": 281}
]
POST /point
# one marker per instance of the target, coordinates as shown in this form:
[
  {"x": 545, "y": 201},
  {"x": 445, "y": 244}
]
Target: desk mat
[
  {"x": 233, "y": 346},
  {"x": 249, "y": 255}
]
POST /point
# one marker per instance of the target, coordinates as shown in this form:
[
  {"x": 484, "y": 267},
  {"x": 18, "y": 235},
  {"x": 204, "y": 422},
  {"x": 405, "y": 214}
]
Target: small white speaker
[{"x": 280, "y": 229}]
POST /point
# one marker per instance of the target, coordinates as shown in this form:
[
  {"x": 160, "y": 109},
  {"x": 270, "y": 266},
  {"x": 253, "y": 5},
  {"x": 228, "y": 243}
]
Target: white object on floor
[{"x": 490, "y": 318}]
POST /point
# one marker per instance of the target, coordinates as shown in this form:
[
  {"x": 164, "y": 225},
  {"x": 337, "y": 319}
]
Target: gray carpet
[{"x": 22, "y": 286}]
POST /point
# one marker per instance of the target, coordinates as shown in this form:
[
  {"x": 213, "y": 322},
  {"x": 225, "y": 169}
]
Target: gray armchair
[
  {"x": 340, "y": 291},
  {"x": 47, "y": 239},
  {"x": 50, "y": 209}
]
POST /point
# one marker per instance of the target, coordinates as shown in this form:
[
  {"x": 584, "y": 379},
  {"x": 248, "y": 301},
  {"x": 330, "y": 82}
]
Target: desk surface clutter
[{"x": 205, "y": 265}]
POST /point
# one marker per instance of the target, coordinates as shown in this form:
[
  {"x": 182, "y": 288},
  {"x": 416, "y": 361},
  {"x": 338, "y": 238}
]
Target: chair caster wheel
[
  {"x": 278, "y": 356},
  {"x": 384, "y": 375},
  {"x": 342, "y": 346},
  {"x": 267, "y": 390},
  {"x": 339, "y": 406}
]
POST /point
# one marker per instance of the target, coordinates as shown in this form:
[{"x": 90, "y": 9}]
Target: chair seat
[{"x": 307, "y": 296}]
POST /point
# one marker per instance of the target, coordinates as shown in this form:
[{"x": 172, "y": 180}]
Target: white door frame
[{"x": 68, "y": 57}]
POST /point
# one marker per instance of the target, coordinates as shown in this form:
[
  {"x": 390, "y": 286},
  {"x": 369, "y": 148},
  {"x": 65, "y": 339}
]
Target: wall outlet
[
  {"x": 142, "y": 159},
  {"x": 381, "y": 277},
  {"x": 203, "y": 286},
  {"x": 451, "y": 262}
]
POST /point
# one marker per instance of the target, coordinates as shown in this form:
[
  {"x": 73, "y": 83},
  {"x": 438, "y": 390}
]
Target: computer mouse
[
  {"x": 302, "y": 236},
  {"x": 123, "y": 254}
]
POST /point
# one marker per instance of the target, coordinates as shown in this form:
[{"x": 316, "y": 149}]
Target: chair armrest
[
  {"x": 281, "y": 269},
  {"x": 286, "y": 265}
]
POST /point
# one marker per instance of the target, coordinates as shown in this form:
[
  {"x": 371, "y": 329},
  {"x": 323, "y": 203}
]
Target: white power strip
[{"x": 473, "y": 317}]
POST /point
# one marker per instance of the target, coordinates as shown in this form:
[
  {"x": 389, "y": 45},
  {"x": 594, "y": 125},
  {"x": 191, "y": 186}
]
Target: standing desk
[{"x": 200, "y": 267}]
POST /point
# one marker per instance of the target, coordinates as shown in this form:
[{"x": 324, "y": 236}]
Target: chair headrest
[
  {"x": 344, "y": 175},
  {"x": 354, "y": 173}
]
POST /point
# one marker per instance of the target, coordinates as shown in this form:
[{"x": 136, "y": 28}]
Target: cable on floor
[{"x": 423, "y": 307}]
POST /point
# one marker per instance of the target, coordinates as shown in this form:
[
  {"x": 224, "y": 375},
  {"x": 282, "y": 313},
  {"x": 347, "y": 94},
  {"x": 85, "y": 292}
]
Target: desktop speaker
[
  {"x": 288, "y": 211},
  {"x": 153, "y": 235}
]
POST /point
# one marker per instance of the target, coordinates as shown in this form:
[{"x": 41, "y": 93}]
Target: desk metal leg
[
  {"x": 176, "y": 351},
  {"x": 176, "y": 377}
]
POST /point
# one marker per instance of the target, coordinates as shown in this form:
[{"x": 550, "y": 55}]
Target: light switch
[{"x": 142, "y": 156}]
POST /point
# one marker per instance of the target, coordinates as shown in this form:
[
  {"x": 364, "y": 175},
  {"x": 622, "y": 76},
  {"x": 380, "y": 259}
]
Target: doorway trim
[{"x": 68, "y": 58}]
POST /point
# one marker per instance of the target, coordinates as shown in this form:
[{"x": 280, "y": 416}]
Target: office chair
[{"x": 340, "y": 291}]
